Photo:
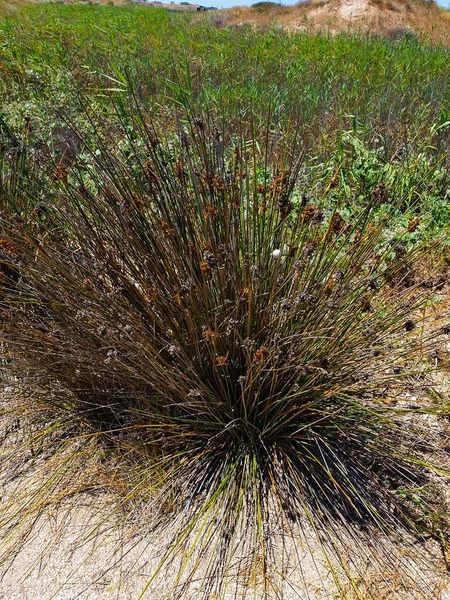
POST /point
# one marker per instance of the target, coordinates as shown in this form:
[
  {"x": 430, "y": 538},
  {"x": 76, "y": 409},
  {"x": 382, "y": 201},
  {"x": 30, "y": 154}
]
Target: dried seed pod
[{"x": 261, "y": 355}]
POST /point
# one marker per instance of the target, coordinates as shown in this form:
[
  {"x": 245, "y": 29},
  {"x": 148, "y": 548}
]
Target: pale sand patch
[
  {"x": 54, "y": 565},
  {"x": 74, "y": 553},
  {"x": 82, "y": 550},
  {"x": 355, "y": 9},
  {"x": 97, "y": 570}
]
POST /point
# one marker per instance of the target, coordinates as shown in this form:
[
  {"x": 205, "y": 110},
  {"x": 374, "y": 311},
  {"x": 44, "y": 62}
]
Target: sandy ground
[
  {"x": 96, "y": 570},
  {"x": 355, "y": 9},
  {"x": 75, "y": 554},
  {"x": 80, "y": 550},
  {"x": 106, "y": 568},
  {"x": 346, "y": 9}
]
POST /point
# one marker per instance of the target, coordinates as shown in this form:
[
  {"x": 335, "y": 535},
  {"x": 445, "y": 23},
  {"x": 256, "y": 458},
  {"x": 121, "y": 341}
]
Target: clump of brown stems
[{"x": 226, "y": 339}]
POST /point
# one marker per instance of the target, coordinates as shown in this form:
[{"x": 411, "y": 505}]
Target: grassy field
[
  {"x": 388, "y": 95},
  {"x": 223, "y": 268},
  {"x": 392, "y": 89}
]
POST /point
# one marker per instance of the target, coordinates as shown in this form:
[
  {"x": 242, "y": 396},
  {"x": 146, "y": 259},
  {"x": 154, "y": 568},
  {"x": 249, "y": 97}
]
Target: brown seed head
[
  {"x": 308, "y": 213},
  {"x": 222, "y": 361},
  {"x": 61, "y": 174},
  {"x": 409, "y": 325},
  {"x": 138, "y": 201},
  {"x": 205, "y": 268},
  {"x": 8, "y": 247},
  {"x": 217, "y": 183},
  {"x": 365, "y": 303},
  {"x": 380, "y": 194},
  {"x": 413, "y": 225},
  {"x": 334, "y": 181},
  {"x": 337, "y": 223},
  {"x": 151, "y": 294},
  {"x": 261, "y": 355},
  {"x": 151, "y": 175},
  {"x": 210, "y": 211},
  {"x": 236, "y": 199},
  {"x": 179, "y": 169},
  {"x": 210, "y": 336},
  {"x": 111, "y": 195},
  {"x": 176, "y": 298},
  {"x": 87, "y": 285},
  {"x": 167, "y": 230}
]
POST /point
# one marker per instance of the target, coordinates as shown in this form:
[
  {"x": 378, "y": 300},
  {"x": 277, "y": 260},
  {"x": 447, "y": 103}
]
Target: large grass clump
[{"x": 228, "y": 339}]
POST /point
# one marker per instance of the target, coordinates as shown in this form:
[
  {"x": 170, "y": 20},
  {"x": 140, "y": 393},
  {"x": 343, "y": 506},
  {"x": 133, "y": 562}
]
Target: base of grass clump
[
  {"x": 86, "y": 543},
  {"x": 215, "y": 349}
]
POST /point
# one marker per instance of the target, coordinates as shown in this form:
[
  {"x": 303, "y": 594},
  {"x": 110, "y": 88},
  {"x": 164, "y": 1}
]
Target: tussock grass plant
[{"x": 227, "y": 345}]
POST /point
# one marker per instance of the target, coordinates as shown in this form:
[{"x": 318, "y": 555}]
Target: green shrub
[{"x": 265, "y": 6}]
